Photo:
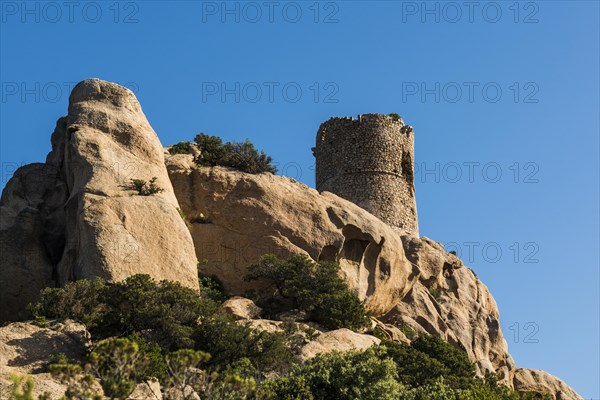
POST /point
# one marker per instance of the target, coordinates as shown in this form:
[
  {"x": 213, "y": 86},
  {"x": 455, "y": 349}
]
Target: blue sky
[{"x": 503, "y": 97}]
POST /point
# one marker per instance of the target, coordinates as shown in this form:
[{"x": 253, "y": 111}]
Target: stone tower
[{"x": 370, "y": 161}]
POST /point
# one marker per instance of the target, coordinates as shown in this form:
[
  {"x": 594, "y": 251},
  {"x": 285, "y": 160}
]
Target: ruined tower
[{"x": 370, "y": 161}]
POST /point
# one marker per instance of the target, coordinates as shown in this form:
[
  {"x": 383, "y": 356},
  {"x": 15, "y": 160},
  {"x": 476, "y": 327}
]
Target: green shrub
[
  {"x": 153, "y": 359},
  {"x": 165, "y": 311},
  {"x": 22, "y": 387},
  {"x": 429, "y": 358},
  {"x": 183, "y": 370},
  {"x": 81, "y": 385},
  {"x": 299, "y": 283},
  {"x": 395, "y": 116},
  {"x": 414, "y": 367},
  {"x": 437, "y": 390},
  {"x": 212, "y": 149},
  {"x": 241, "y": 156},
  {"x": 228, "y": 342},
  {"x": 367, "y": 375},
  {"x": 181, "y": 148},
  {"x": 291, "y": 387},
  {"x": 115, "y": 361},
  {"x": 81, "y": 301},
  {"x": 212, "y": 288},
  {"x": 144, "y": 188},
  {"x": 244, "y": 157},
  {"x": 167, "y": 315},
  {"x": 454, "y": 359},
  {"x": 436, "y": 293},
  {"x": 186, "y": 378},
  {"x": 408, "y": 331}
]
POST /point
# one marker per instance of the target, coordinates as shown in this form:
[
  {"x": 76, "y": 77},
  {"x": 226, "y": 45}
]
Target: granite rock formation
[{"x": 77, "y": 216}]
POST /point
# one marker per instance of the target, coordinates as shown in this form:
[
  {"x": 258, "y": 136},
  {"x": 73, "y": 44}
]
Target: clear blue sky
[{"x": 494, "y": 89}]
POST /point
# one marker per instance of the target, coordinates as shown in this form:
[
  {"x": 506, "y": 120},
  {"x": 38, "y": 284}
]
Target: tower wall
[{"x": 370, "y": 161}]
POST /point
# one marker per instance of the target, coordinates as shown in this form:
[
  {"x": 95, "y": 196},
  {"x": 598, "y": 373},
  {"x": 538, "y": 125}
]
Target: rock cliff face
[
  {"x": 77, "y": 216},
  {"x": 411, "y": 284},
  {"x": 250, "y": 215},
  {"x": 27, "y": 349},
  {"x": 533, "y": 380},
  {"x": 449, "y": 301},
  {"x": 408, "y": 282}
]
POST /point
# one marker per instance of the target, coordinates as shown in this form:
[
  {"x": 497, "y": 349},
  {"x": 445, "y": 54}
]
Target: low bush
[
  {"x": 145, "y": 328},
  {"x": 429, "y": 358},
  {"x": 316, "y": 288},
  {"x": 241, "y": 156},
  {"x": 116, "y": 361},
  {"x": 367, "y": 375},
  {"x": 212, "y": 288},
  {"x": 164, "y": 314},
  {"x": 144, "y": 188},
  {"x": 181, "y": 148}
]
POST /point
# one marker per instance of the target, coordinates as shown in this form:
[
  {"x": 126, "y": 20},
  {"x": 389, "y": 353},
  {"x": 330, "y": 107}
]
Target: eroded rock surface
[
  {"x": 77, "y": 216},
  {"x": 533, "y": 380},
  {"x": 26, "y": 349},
  {"x": 250, "y": 215},
  {"x": 411, "y": 283},
  {"x": 450, "y": 302}
]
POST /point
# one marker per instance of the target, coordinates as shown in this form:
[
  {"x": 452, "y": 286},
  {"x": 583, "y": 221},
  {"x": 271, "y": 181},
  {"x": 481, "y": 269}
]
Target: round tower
[{"x": 370, "y": 162}]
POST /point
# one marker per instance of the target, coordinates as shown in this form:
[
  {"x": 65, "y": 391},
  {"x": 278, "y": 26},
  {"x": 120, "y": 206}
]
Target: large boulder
[
  {"x": 26, "y": 350},
  {"x": 337, "y": 340},
  {"x": 77, "y": 216},
  {"x": 450, "y": 302},
  {"x": 246, "y": 216},
  {"x": 532, "y": 380},
  {"x": 241, "y": 308},
  {"x": 112, "y": 232}
]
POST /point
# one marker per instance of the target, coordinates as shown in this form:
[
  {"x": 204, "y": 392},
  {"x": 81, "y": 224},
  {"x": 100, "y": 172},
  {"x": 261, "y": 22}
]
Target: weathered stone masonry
[{"x": 370, "y": 161}]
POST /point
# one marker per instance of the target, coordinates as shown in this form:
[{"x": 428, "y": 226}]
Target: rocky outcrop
[
  {"x": 250, "y": 215},
  {"x": 148, "y": 390},
  {"x": 532, "y": 380},
  {"x": 77, "y": 216},
  {"x": 412, "y": 283},
  {"x": 450, "y": 302},
  {"x": 337, "y": 340},
  {"x": 26, "y": 349},
  {"x": 241, "y": 308}
]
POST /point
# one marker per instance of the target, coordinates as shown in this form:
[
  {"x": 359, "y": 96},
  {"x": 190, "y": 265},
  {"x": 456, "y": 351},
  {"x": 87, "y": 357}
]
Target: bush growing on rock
[
  {"x": 116, "y": 361},
  {"x": 394, "y": 116},
  {"x": 316, "y": 288},
  {"x": 147, "y": 328},
  {"x": 165, "y": 314},
  {"x": 181, "y": 148},
  {"x": 241, "y": 156},
  {"x": 144, "y": 188},
  {"x": 354, "y": 375},
  {"x": 212, "y": 288},
  {"x": 164, "y": 311},
  {"x": 428, "y": 358}
]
